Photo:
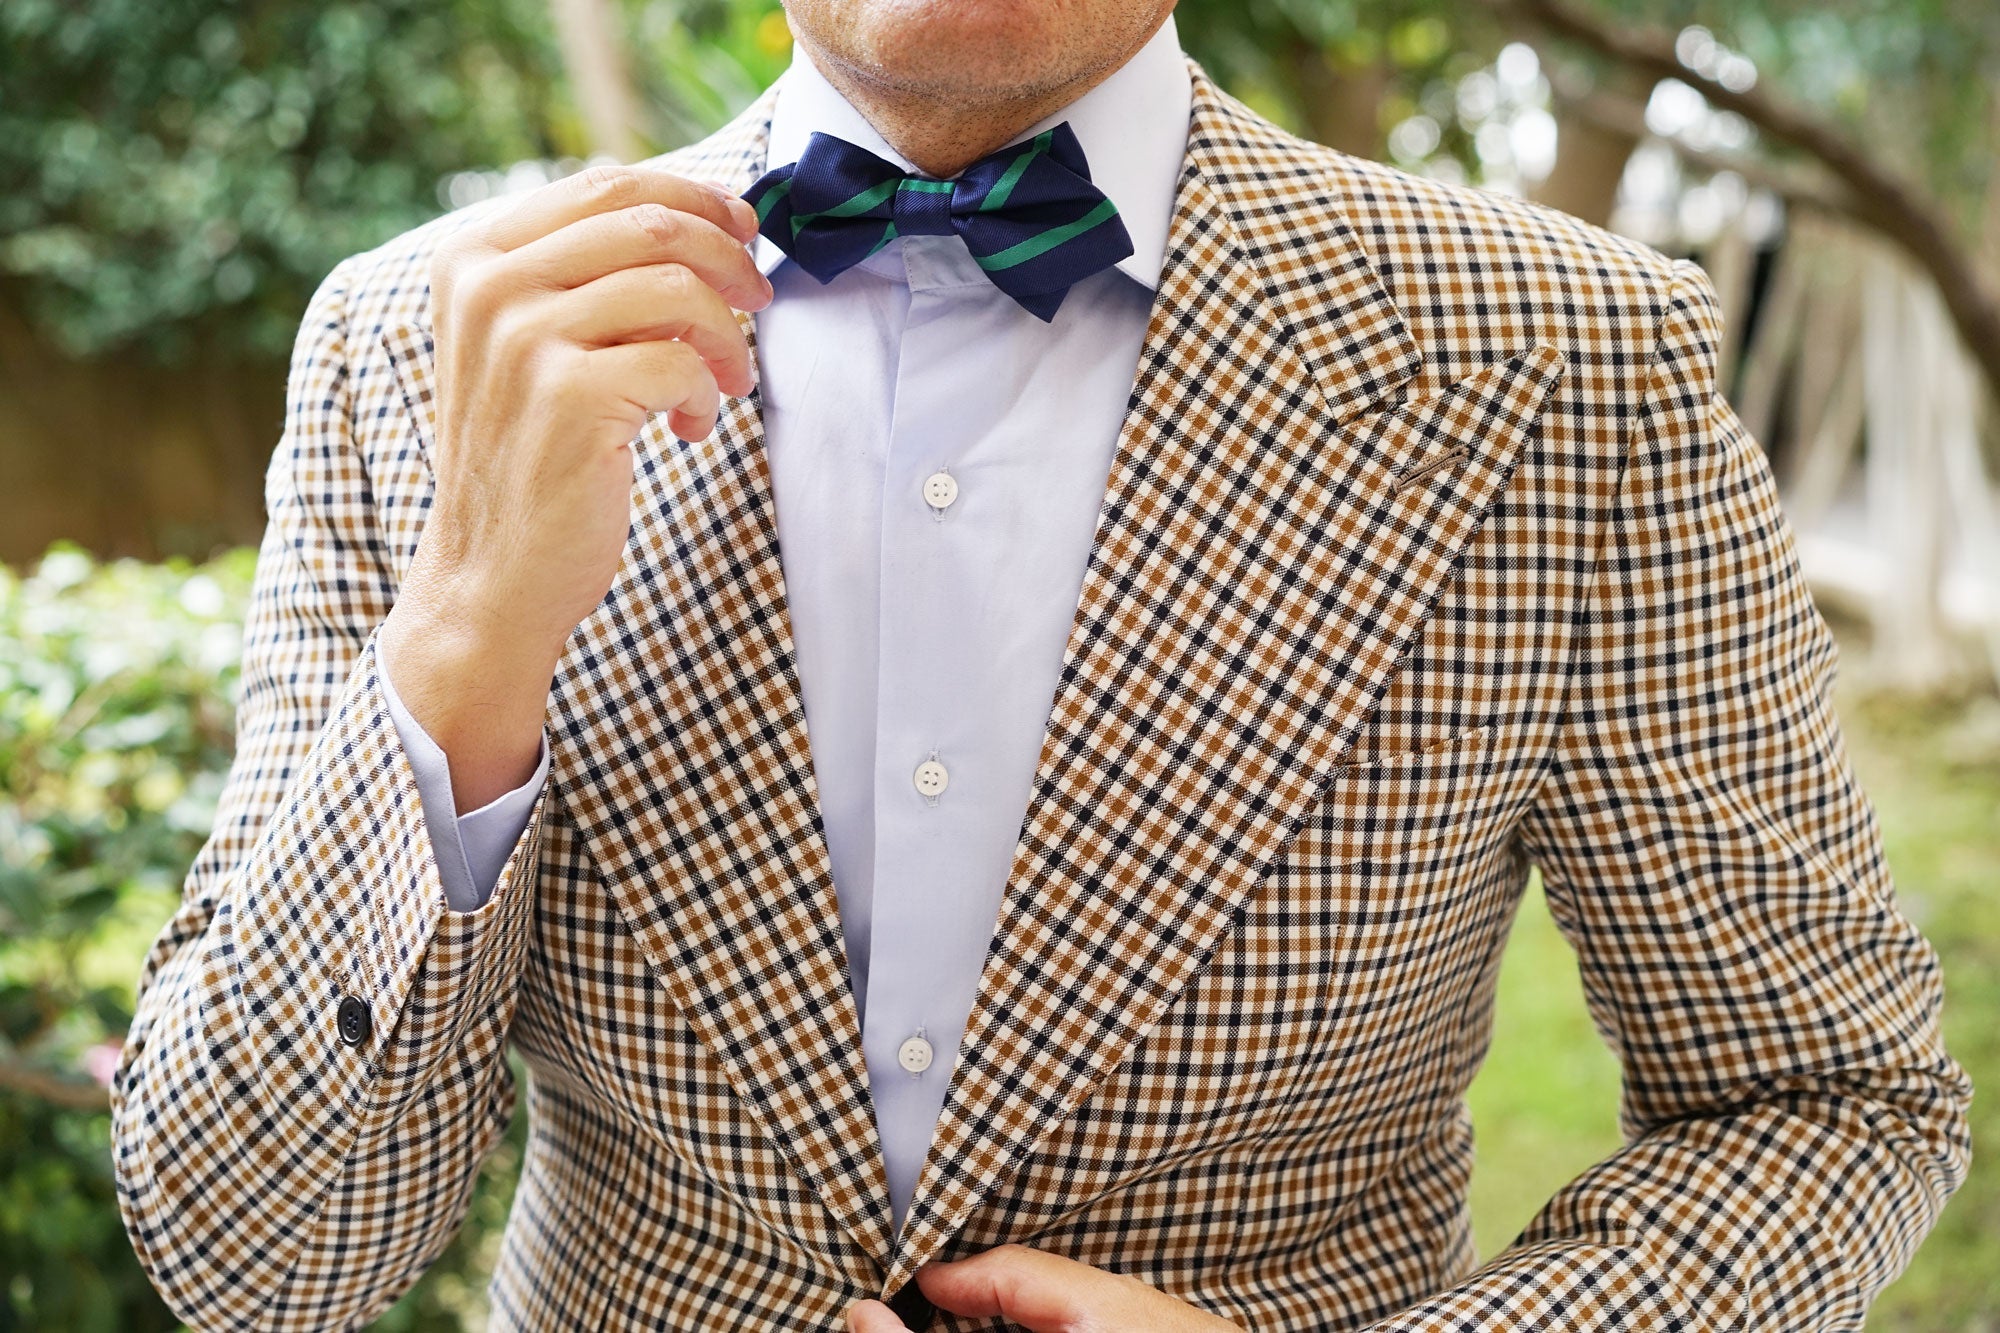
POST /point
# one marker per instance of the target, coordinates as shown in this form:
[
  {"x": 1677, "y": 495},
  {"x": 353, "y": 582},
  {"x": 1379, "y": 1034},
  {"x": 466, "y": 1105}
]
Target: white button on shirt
[
  {"x": 914, "y": 1055},
  {"x": 938, "y": 457},
  {"x": 931, "y": 778},
  {"x": 940, "y": 490}
]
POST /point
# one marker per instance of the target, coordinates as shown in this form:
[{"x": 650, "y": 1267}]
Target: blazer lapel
[
  {"x": 679, "y": 720},
  {"x": 678, "y": 742},
  {"x": 678, "y": 724},
  {"x": 1266, "y": 550}
]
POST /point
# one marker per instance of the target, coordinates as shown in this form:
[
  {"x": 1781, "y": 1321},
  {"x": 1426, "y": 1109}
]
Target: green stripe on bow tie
[
  {"x": 771, "y": 197},
  {"x": 1046, "y": 241},
  {"x": 847, "y": 208},
  {"x": 997, "y": 196}
]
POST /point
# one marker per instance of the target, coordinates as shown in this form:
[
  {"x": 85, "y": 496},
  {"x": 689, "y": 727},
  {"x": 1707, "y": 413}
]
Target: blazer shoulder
[
  {"x": 389, "y": 284},
  {"x": 1476, "y": 273},
  {"x": 1454, "y": 256},
  {"x": 1481, "y": 216}
]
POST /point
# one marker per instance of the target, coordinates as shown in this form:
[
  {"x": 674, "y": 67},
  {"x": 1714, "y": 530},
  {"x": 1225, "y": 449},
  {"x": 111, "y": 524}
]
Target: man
[{"x": 1017, "y": 816}]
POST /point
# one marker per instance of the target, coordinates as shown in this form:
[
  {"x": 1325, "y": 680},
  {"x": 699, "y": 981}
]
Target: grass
[{"x": 1545, "y": 1104}]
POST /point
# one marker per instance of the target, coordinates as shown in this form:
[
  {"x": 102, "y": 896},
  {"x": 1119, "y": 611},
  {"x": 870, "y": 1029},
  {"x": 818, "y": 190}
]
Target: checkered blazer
[{"x": 1429, "y": 551}]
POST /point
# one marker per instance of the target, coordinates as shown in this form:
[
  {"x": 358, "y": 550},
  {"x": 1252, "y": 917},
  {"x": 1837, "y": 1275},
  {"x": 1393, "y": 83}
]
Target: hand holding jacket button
[{"x": 355, "y": 1023}]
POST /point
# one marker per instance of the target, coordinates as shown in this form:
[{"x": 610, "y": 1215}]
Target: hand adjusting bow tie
[{"x": 1029, "y": 214}]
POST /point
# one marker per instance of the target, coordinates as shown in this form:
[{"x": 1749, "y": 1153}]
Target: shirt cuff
[{"x": 472, "y": 848}]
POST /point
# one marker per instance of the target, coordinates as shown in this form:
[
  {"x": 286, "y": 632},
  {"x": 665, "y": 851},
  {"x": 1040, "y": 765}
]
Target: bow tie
[{"x": 1028, "y": 213}]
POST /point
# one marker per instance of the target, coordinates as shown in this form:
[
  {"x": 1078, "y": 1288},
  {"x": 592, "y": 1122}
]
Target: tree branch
[
  {"x": 1897, "y": 208},
  {"x": 1799, "y": 189},
  {"x": 69, "y": 1093}
]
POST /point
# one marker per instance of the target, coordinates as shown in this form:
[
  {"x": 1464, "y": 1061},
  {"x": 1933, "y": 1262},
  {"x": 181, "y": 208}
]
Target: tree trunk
[
  {"x": 1342, "y": 103},
  {"x": 588, "y": 34}
]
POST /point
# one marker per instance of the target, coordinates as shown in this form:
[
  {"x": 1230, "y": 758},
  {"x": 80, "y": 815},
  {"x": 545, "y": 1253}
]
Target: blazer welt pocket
[
  {"x": 1472, "y": 741},
  {"x": 1379, "y": 805}
]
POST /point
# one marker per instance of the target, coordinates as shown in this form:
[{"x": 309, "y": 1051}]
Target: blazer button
[
  {"x": 355, "y": 1023},
  {"x": 912, "y": 1306}
]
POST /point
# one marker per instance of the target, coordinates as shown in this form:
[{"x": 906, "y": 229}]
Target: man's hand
[
  {"x": 560, "y": 323},
  {"x": 1045, "y": 1293}
]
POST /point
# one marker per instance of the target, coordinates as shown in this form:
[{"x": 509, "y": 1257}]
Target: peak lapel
[{"x": 1259, "y": 567}]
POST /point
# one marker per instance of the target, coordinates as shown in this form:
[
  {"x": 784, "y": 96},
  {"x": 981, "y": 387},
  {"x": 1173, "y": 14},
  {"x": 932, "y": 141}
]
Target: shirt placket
[{"x": 930, "y": 790}]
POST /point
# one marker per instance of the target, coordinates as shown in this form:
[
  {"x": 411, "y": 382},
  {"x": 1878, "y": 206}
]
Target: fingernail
[{"x": 746, "y": 216}]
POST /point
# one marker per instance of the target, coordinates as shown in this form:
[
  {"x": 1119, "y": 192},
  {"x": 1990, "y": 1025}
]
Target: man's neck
[{"x": 944, "y": 133}]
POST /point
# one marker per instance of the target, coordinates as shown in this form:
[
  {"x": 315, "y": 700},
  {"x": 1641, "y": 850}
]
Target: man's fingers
[
  {"x": 648, "y": 233},
  {"x": 549, "y": 208},
  {"x": 1024, "y": 1286},
  {"x": 654, "y": 302},
  {"x": 873, "y": 1317},
  {"x": 658, "y": 377}
]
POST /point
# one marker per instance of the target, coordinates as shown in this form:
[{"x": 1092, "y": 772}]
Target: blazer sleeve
[
  {"x": 1793, "y": 1123},
  {"x": 316, "y": 1065}
]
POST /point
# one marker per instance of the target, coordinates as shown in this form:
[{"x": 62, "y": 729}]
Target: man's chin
[{"x": 980, "y": 48}]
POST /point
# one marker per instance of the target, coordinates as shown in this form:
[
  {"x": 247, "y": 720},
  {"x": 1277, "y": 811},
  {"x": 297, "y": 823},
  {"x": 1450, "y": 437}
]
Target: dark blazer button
[
  {"x": 912, "y": 1306},
  {"x": 355, "y": 1022}
]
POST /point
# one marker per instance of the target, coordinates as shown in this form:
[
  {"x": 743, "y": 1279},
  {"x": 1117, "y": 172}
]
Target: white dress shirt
[{"x": 938, "y": 456}]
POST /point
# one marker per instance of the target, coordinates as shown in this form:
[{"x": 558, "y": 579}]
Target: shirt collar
[{"x": 1133, "y": 128}]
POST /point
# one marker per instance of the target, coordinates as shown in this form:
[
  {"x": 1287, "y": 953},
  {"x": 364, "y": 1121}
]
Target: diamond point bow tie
[{"x": 1028, "y": 213}]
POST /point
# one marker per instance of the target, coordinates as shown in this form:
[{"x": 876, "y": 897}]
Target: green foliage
[
  {"x": 115, "y": 728},
  {"x": 1911, "y": 84},
  {"x": 185, "y": 169},
  {"x": 697, "y": 62},
  {"x": 118, "y": 689},
  {"x": 1257, "y": 49},
  {"x": 1912, "y": 81},
  {"x": 176, "y": 165},
  {"x": 62, "y": 1245}
]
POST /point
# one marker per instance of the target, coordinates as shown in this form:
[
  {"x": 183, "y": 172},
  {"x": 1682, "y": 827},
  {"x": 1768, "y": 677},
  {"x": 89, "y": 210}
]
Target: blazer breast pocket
[{"x": 1377, "y": 807}]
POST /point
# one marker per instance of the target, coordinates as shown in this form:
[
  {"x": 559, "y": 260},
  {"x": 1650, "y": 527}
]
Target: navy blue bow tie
[{"x": 1028, "y": 213}]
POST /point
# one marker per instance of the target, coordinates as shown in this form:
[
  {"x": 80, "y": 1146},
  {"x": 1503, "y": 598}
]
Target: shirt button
[
  {"x": 931, "y": 778},
  {"x": 354, "y": 1021},
  {"x": 940, "y": 490},
  {"x": 915, "y": 1055}
]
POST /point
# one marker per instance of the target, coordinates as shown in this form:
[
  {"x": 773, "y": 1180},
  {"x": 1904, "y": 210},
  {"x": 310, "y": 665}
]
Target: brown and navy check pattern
[{"x": 1430, "y": 551}]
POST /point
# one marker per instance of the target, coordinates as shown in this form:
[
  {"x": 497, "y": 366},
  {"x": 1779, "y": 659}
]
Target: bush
[
  {"x": 118, "y": 688},
  {"x": 115, "y": 731},
  {"x": 181, "y": 173}
]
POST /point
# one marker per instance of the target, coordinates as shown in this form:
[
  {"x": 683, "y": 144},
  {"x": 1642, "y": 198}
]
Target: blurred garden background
[{"x": 177, "y": 175}]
